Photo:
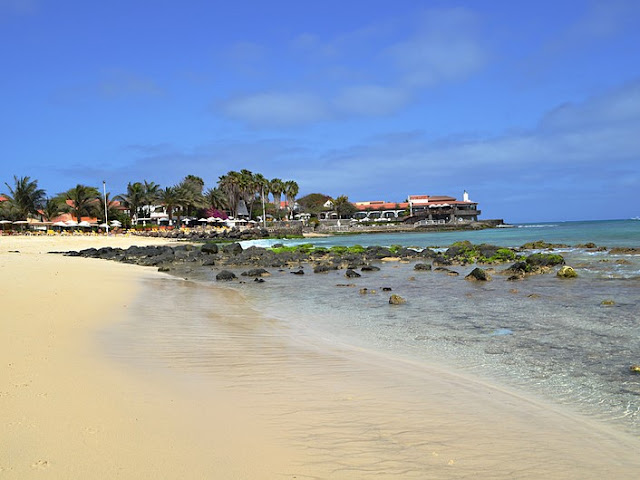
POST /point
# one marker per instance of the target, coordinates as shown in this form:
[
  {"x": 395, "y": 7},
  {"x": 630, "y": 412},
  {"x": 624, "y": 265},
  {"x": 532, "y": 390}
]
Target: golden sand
[{"x": 248, "y": 400}]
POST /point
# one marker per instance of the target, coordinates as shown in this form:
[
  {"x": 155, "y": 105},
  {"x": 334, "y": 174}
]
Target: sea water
[
  {"x": 547, "y": 335},
  {"x": 543, "y": 335}
]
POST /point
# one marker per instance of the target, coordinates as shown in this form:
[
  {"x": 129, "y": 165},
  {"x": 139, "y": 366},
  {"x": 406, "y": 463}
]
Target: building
[
  {"x": 442, "y": 209},
  {"x": 379, "y": 211},
  {"x": 425, "y": 209}
]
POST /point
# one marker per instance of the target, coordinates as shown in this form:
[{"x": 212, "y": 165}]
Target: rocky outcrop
[
  {"x": 478, "y": 275},
  {"x": 256, "y": 272},
  {"x": 351, "y": 274},
  {"x": 370, "y": 268},
  {"x": 225, "y": 276},
  {"x": 422, "y": 267},
  {"x": 625, "y": 251}
]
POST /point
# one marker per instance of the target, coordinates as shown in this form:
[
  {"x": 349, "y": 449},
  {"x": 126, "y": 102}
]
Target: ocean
[
  {"x": 546, "y": 335},
  {"x": 549, "y": 337}
]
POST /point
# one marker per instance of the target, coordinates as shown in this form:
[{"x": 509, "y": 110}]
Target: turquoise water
[
  {"x": 609, "y": 233},
  {"x": 543, "y": 334}
]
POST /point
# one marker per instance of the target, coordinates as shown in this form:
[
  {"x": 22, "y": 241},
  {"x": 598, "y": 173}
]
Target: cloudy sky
[{"x": 532, "y": 107}]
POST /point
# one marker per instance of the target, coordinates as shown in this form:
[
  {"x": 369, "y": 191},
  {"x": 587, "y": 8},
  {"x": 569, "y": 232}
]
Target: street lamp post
[{"x": 106, "y": 217}]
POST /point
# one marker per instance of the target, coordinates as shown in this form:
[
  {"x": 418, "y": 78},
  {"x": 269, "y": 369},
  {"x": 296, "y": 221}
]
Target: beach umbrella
[
  {"x": 84, "y": 223},
  {"x": 204, "y": 220},
  {"x": 4, "y": 221},
  {"x": 60, "y": 224},
  {"x": 20, "y": 222},
  {"x": 103, "y": 225},
  {"x": 115, "y": 223},
  {"x": 71, "y": 223}
]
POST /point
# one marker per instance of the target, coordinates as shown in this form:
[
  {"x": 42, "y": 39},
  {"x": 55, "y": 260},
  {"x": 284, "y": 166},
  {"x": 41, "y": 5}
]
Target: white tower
[{"x": 465, "y": 196}]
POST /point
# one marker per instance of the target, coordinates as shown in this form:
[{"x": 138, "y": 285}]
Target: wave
[{"x": 546, "y": 225}]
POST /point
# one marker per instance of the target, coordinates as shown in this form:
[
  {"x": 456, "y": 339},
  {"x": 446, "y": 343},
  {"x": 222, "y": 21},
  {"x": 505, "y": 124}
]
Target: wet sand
[{"x": 110, "y": 370}]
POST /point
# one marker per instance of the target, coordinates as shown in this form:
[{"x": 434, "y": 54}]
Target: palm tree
[
  {"x": 230, "y": 185},
  {"x": 261, "y": 185},
  {"x": 190, "y": 193},
  {"x": 25, "y": 197},
  {"x": 112, "y": 207},
  {"x": 291, "y": 190},
  {"x": 151, "y": 190},
  {"x": 133, "y": 199},
  {"x": 170, "y": 198},
  {"x": 215, "y": 199},
  {"x": 51, "y": 208},
  {"x": 343, "y": 207},
  {"x": 84, "y": 201},
  {"x": 276, "y": 186}
]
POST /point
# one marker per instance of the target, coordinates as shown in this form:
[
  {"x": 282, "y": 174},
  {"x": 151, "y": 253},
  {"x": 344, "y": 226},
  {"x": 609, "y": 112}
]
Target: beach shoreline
[{"x": 265, "y": 405}]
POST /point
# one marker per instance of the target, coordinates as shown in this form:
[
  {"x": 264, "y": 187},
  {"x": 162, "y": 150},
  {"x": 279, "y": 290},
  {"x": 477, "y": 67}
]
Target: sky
[{"x": 531, "y": 107}]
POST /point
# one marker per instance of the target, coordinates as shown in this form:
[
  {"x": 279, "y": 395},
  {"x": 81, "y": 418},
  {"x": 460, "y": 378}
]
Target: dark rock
[
  {"x": 208, "y": 262},
  {"x": 441, "y": 260},
  {"x": 545, "y": 260},
  {"x": 351, "y": 274},
  {"x": 321, "y": 269},
  {"x": 256, "y": 272},
  {"x": 625, "y": 251},
  {"x": 210, "y": 248},
  {"x": 478, "y": 275},
  {"x": 298, "y": 272},
  {"x": 370, "y": 268},
  {"x": 225, "y": 276},
  {"x": 377, "y": 252},
  {"x": 258, "y": 280},
  {"x": 386, "y": 289},
  {"x": 232, "y": 249},
  {"x": 164, "y": 269},
  {"x": 445, "y": 270},
  {"x": 422, "y": 266}
]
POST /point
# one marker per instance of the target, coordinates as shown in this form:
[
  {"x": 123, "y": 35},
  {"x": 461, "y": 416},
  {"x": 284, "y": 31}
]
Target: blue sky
[{"x": 532, "y": 107}]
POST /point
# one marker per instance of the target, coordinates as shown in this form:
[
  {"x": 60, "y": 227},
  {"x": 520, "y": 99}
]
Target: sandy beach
[{"x": 92, "y": 385}]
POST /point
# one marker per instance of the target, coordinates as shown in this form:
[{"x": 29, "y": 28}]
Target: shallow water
[
  {"x": 348, "y": 401},
  {"x": 542, "y": 336}
]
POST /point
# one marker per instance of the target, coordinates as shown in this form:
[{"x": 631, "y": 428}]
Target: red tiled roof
[{"x": 381, "y": 206}]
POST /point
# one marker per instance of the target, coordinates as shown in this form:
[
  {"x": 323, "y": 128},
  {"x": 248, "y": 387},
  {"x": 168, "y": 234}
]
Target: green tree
[
  {"x": 291, "y": 190},
  {"x": 112, "y": 208},
  {"x": 276, "y": 186},
  {"x": 84, "y": 201},
  {"x": 170, "y": 198},
  {"x": 133, "y": 199},
  {"x": 215, "y": 198},
  {"x": 190, "y": 193},
  {"x": 51, "y": 208},
  {"x": 343, "y": 207},
  {"x": 151, "y": 190},
  {"x": 25, "y": 198},
  {"x": 230, "y": 185},
  {"x": 313, "y": 203}
]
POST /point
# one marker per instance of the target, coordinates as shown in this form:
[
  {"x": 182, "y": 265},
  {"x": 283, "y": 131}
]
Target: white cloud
[
  {"x": 276, "y": 109},
  {"x": 370, "y": 100},
  {"x": 445, "y": 47}
]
